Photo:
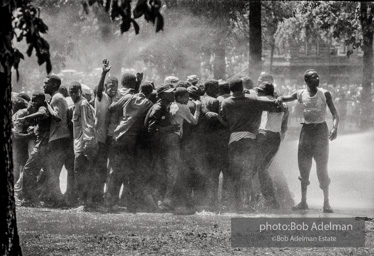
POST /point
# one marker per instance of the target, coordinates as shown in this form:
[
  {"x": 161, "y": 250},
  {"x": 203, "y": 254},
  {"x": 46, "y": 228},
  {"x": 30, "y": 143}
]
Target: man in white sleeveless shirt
[{"x": 314, "y": 136}]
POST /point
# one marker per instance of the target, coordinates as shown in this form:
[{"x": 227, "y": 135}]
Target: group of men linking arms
[{"x": 168, "y": 151}]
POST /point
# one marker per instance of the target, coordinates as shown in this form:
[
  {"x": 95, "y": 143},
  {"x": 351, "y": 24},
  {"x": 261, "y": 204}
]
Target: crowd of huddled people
[{"x": 150, "y": 148}]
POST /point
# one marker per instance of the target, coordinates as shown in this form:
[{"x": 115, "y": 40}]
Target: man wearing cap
[
  {"x": 135, "y": 108},
  {"x": 272, "y": 129},
  {"x": 36, "y": 161},
  {"x": 158, "y": 125},
  {"x": 223, "y": 91},
  {"x": 242, "y": 114},
  {"x": 59, "y": 138},
  {"x": 314, "y": 136},
  {"x": 248, "y": 85},
  {"x": 85, "y": 144}
]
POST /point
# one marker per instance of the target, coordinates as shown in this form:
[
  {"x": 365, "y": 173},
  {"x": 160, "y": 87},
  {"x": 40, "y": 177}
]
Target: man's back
[
  {"x": 243, "y": 113},
  {"x": 59, "y": 129},
  {"x": 134, "y": 112}
]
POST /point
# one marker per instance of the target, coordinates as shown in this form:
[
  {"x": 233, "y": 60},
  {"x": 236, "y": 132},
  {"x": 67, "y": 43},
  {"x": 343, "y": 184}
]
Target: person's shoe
[
  {"x": 301, "y": 206},
  {"x": 327, "y": 208}
]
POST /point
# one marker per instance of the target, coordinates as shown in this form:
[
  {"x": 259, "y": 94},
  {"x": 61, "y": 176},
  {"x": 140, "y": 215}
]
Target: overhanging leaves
[{"x": 121, "y": 9}]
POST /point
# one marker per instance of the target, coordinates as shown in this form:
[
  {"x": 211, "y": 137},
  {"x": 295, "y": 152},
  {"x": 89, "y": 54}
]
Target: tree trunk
[
  {"x": 271, "y": 58},
  {"x": 366, "y": 23},
  {"x": 219, "y": 66},
  {"x": 255, "y": 38},
  {"x": 8, "y": 227}
]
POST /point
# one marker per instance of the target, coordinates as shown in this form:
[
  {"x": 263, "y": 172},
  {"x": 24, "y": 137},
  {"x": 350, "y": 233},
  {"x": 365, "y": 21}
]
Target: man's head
[
  {"x": 311, "y": 78},
  {"x": 236, "y": 85},
  {"x": 181, "y": 95},
  {"x": 146, "y": 88},
  {"x": 265, "y": 77},
  {"x": 211, "y": 87},
  {"x": 111, "y": 86},
  {"x": 75, "y": 91},
  {"x": 247, "y": 83},
  {"x": 128, "y": 80},
  {"x": 37, "y": 100},
  {"x": 193, "y": 79},
  {"x": 194, "y": 92},
  {"x": 64, "y": 91},
  {"x": 166, "y": 93},
  {"x": 21, "y": 101},
  {"x": 51, "y": 84},
  {"x": 223, "y": 87},
  {"x": 265, "y": 89}
]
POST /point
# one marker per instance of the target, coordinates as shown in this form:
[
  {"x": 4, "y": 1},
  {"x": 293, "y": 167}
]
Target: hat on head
[
  {"x": 24, "y": 96},
  {"x": 193, "y": 79},
  {"x": 223, "y": 83},
  {"x": 266, "y": 87},
  {"x": 265, "y": 77},
  {"x": 171, "y": 80},
  {"x": 164, "y": 88}
]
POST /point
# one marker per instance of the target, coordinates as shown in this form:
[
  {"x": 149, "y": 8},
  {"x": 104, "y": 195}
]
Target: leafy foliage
[
  {"x": 122, "y": 9},
  {"x": 26, "y": 25}
]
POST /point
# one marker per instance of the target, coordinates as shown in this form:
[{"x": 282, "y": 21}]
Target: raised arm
[
  {"x": 100, "y": 87},
  {"x": 287, "y": 98},
  {"x": 335, "y": 116}
]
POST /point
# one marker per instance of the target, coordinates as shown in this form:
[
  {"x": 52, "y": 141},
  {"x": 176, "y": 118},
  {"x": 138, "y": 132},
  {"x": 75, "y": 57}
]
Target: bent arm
[{"x": 119, "y": 104}]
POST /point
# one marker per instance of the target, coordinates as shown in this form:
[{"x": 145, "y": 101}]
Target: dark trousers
[
  {"x": 193, "y": 179},
  {"x": 57, "y": 157},
  {"x": 83, "y": 173},
  {"x": 217, "y": 161},
  {"x": 123, "y": 171},
  {"x": 314, "y": 143},
  {"x": 101, "y": 171},
  {"x": 34, "y": 164},
  {"x": 242, "y": 155},
  {"x": 268, "y": 146},
  {"x": 176, "y": 172},
  {"x": 158, "y": 167}
]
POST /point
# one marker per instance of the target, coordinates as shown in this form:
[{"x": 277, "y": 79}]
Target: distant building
[{"x": 330, "y": 61}]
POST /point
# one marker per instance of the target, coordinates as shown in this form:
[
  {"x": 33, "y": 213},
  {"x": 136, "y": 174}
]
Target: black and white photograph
[{"x": 187, "y": 127}]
